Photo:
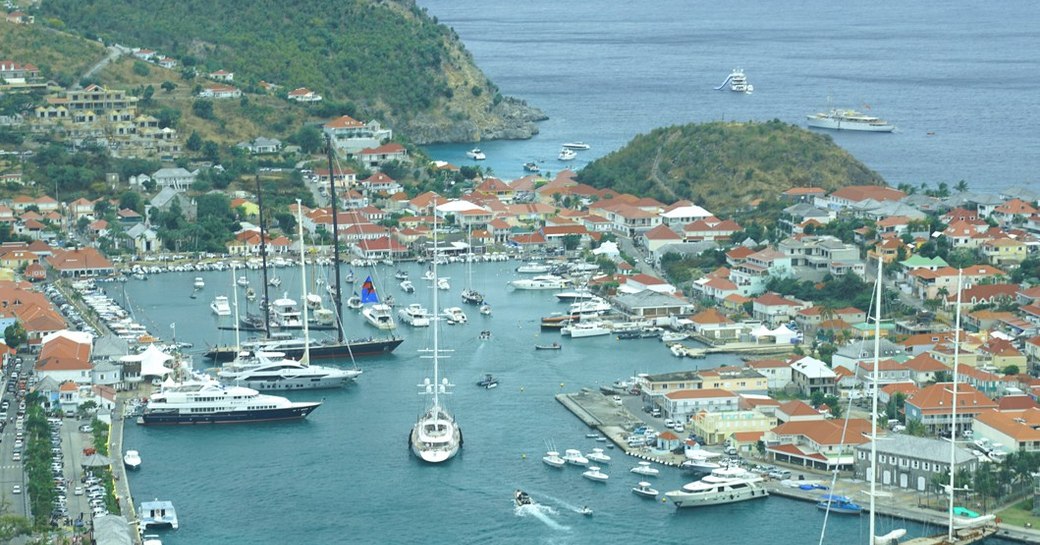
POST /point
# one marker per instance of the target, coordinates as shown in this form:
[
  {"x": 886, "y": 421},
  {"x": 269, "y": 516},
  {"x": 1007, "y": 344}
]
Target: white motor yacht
[
  {"x": 700, "y": 461},
  {"x": 598, "y": 456},
  {"x": 724, "y": 485},
  {"x": 673, "y": 337},
  {"x": 220, "y": 306},
  {"x": 541, "y": 282},
  {"x": 414, "y": 315},
  {"x": 578, "y": 146},
  {"x": 407, "y": 286},
  {"x": 243, "y": 281},
  {"x": 476, "y": 154},
  {"x": 644, "y": 468},
  {"x": 533, "y": 268},
  {"x": 594, "y": 474},
  {"x": 553, "y": 459},
  {"x": 209, "y": 402},
  {"x": 595, "y": 305},
  {"x": 442, "y": 284},
  {"x": 566, "y": 154},
  {"x": 285, "y": 313},
  {"x": 848, "y": 120},
  {"x": 574, "y": 457},
  {"x": 379, "y": 316},
  {"x": 455, "y": 315},
  {"x": 645, "y": 490},
  {"x": 132, "y": 459},
  {"x": 272, "y": 371},
  {"x": 573, "y": 296},
  {"x": 199, "y": 283}
]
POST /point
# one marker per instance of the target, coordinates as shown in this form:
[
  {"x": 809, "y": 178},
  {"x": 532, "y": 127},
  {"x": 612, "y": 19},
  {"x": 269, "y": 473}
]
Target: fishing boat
[
  {"x": 598, "y": 456},
  {"x": 553, "y": 459},
  {"x": 436, "y": 437},
  {"x": 379, "y": 315},
  {"x": 593, "y": 473},
  {"x": 574, "y": 457},
  {"x": 132, "y": 459},
  {"x": 553, "y": 346},
  {"x": 488, "y": 382},
  {"x": 644, "y": 468},
  {"x": 643, "y": 489}
]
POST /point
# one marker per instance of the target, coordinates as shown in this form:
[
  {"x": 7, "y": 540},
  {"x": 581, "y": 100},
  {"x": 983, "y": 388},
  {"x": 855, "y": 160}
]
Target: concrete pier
[{"x": 122, "y": 484}]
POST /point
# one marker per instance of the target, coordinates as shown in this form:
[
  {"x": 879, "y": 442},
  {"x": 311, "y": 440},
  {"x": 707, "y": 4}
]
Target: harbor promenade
[{"x": 122, "y": 484}]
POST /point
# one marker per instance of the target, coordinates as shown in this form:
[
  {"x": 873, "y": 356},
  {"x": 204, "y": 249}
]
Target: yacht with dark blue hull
[{"x": 209, "y": 402}]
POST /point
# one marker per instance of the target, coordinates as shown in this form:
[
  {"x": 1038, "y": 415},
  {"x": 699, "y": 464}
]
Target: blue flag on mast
[{"x": 368, "y": 292}]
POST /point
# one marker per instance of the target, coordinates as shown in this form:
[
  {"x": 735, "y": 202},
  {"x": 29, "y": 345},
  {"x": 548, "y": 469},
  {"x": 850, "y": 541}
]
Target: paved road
[
  {"x": 114, "y": 52},
  {"x": 12, "y": 472}
]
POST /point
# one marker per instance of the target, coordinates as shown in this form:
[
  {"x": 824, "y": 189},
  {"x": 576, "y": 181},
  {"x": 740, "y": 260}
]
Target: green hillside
[
  {"x": 61, "y": 57},
  {"x": 724, "y": 165},
  {"x": 382, "y": 59}
]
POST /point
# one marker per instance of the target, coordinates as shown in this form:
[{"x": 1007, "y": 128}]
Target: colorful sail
[{"x": 368, "y": 292}]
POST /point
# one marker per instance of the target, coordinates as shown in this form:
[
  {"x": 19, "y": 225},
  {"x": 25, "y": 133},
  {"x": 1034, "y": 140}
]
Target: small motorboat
[
  {"x": 443, "y": 284},
  {"x": 598, "y": 456},
  {"x": 566, "y": 154},
  {"x": 645, "y": 490},
  {"x": 644, "y": 468},
  {"x": 476, "y": 154},
  {"x": 521, "y": 498},
  {"x": 354, "y": 302},
  {"x": 454, "y": 315},
  {"x": 250, "y": 294},
  {"x": 553, "y": 346},
  {"x": 132, "y": 459},
  {"x": 488, "y": 382},
  {"x": 407, "y": 286},
  {"x": 485, "y": 309},
  {"x": 532, "y": 167},
  {"x": 242, "y": 281},
  {"x": 401, "y": 275},
  {"x": 553, "y": 459},
  {"x": 199, "y": 283},
  {"x": 838, "y": 504},
  {"x": 594, "y": 474},
  {"x": 274, "y": 281},
  {"x": 485, "y": 335},
  {"x": 585, "y": 510}
]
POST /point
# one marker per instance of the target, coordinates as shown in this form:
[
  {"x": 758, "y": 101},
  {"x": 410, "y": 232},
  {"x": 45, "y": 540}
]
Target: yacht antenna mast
[
  {"x": 263, "y": 256},
  {"x": 337, "y": 297}
]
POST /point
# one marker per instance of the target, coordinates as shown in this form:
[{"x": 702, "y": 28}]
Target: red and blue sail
[{"x": 368, "y": 292}]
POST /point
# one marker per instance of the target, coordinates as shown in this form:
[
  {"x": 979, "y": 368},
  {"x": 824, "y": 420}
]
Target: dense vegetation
[
  {"x": 388, "y": 58},
  {"x": 60, "y": 57},
  {"x": 724, "y": 165}
]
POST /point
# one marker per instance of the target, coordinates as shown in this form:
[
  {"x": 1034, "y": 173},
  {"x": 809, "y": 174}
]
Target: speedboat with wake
[{"x": 522, "y": 498}]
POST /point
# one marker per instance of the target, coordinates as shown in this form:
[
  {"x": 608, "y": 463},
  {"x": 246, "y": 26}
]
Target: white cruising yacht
[
  {"x": 199, "y": 283},
  {"x": 574, "y": 296},
  {"x": 700, "y": 461},
  {"x": 285, "y": 313},
  {"x": 379, "y": 316},
  {"x": 591, "y": 306},
  {"x": 442, "y": 284},
  {"x": 272, "y": 371},
  {"x": 848, "y": 120},
  {"x": 455, "y": 315},
  {"x": 724, "y": 485},
  {"x": 132, "y": 459},
  {"x": 737, "y": 82},
  {"x": 567, "y": 154},
  {"x": 414, "y": 315},
  {"x": 158, "y": 514},
  {"x": 541, "y": 282},
  {"x": 209, "y": 402},
  {"x": 476, "y": 154},
  {"x": 220, "y": 306},
  {"x": 577, "y": 146},
  {"x": 533, "y": 268},
  {"x": 407, "y": 286},
  {"x": 553, "y": 459}
]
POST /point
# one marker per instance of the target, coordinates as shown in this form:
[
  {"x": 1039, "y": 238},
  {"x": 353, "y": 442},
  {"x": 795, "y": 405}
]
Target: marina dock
[{"x": 122, "y": 484}]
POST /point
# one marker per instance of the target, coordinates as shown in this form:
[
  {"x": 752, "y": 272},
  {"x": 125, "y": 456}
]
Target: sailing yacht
[
  {"x": 436, "y": 436},
  {"x": 469, "y": 294}
]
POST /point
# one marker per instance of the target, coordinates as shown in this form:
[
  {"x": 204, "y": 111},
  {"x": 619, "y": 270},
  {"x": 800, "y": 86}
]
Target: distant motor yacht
[
  {"x": 209, "y": 402},
  {"x": 578, "y": 146},
  {"x": 414, "y": 315},
  {"x": 725, "y": 485},
  {"x": 848, "y": 120},
  {"x": 272, "y": 371},
  {"x": 567, "y": 154},
  {"x": 541, "y": 282},
  {"x": 379, "y": 316},
  {"x": 476, "y": 154},
  {"x": 574, "y": 457},
  {"x": 533, "y": 267}
]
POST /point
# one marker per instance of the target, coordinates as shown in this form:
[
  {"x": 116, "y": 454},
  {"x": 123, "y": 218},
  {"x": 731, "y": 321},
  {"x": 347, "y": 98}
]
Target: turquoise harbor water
[
  {"x": 957, "y": 79},
  {"x": 345, "y": 475}
]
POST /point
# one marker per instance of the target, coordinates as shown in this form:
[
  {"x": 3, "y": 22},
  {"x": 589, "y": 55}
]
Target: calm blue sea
[
  {"x": 958, "y": 79},
  {"x": 345, "y": 475}
]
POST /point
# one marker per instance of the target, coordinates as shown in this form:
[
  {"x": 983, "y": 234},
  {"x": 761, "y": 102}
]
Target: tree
[
  {"x": 168, "y": 86},
  {"x": 309, "y": 138},
  {"x": 1011, "y": 370},
  {"x": 202, "y": 108},
  {"x": 817, "y": 398},
  {"x": 571, "y": 242},
  {"x": 84, "y": 408},
  {"x": 961, "y": 186},
  {"x": 943, "y": 376},
  {"x": 211, "y": 151},
  {"x": 15, "y": 335},
  {"x": 194, "y": 142},
  {"x": 826, "y": 352},
  {"x": 12, "y": 526},
  {"x": 917, "y": 429},
  {"x": 131, "y": 200}
]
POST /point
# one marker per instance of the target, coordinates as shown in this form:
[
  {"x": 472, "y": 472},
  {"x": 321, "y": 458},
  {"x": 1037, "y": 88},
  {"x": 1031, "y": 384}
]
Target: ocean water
[
  {"x": 345, "y": 474},
  {"x": 958, "y": 79}
]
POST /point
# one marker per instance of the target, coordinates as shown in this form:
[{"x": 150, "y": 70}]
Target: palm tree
[{"x": 961, "y": 186}]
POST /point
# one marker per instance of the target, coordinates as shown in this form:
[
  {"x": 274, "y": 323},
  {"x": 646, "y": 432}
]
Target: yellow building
[
  {"x": 1003, "y": 251},
  {"x": 716, "y": 427},
  {"x": 734, "y": 379}
]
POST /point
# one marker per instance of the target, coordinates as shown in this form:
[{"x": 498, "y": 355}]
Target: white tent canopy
[
  {"x": 152, "y": 360},
  {"x": 783, "y": 334},
  {"x": 608, "y": 248}
]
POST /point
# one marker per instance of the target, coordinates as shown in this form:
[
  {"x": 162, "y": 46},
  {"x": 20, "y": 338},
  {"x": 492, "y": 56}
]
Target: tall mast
[
  {"x": 436, "y": 312},
  {"x": 953, "y": 418},
  {"x": 234, "y": 293},
  {"x": 306, "y": 359},
  {"x": 337, "y": 296},
  {"x": 263, "y": 257},
  {"x": 874, "y": 408}
]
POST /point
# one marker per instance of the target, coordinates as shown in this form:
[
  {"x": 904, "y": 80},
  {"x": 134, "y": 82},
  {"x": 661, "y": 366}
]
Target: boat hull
[
  {"x": 291, "y": 384},
  {"x": 373, "y": 347},
  {"x": 839, "y": 125},
  {"x": 163, "y": 418},
  {"x": 683, "y": 499}
]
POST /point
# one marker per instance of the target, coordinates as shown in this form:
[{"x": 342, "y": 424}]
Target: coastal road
[
  {"x": 114, "y": 52},
  {"x": 12, "y": 472}
]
